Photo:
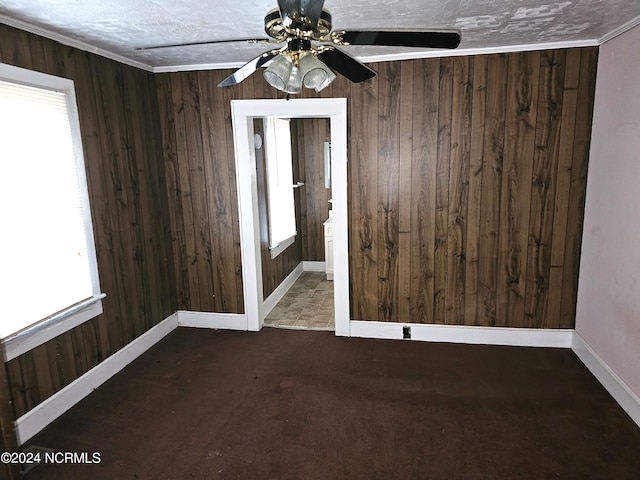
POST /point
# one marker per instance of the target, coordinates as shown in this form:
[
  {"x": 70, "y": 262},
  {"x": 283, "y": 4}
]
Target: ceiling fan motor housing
[{"x": 298, "y": 27}]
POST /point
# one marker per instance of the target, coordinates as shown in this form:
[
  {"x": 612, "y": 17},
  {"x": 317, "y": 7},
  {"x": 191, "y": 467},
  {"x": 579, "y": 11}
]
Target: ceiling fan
[{"x": 300, "y": 24}]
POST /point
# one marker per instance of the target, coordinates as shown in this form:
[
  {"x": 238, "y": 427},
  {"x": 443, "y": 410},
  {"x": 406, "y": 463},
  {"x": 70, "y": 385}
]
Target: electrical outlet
[{"x": 406, "y": 332}]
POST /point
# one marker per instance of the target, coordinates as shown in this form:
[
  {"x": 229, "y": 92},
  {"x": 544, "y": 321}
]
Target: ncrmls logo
[{"x": 72, "y": 457}]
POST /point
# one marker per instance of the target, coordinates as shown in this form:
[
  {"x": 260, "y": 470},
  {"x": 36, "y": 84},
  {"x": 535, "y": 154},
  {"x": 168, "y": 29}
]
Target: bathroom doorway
[
  {"x": 300, "y": 148},
  {"x": 244, "y": 113}
]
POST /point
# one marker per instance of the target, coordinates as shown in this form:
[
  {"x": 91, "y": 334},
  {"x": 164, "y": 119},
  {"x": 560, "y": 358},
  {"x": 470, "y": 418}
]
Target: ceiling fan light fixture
[
  {"x": 279, "y": 73},
  {"x": 312, "y": 70},
  {"x": 330, "y": 78},
  {"x": 294, "y": 85},
  {"x": 289, "y": 72}
]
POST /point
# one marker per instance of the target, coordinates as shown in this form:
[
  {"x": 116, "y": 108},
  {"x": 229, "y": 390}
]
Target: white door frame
[{"x": 243, "y": 112}]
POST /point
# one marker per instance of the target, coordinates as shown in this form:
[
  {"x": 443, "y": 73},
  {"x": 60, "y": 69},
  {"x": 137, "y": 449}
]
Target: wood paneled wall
[
  {"x": 8, "y": 438},
  {"x": 314, "y": 197},
  {"x": 118, "y": 110},
  {"x": 467, "y": 179},
  {"x": 195, "y": 121}
]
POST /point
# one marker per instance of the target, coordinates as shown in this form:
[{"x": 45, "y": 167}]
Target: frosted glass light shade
[
  {"x": 313, "y": 71},
  {"x": 279, "y": 72},
  {"x": 330, "y": 78},
  {"x": 294, "y": 85}
]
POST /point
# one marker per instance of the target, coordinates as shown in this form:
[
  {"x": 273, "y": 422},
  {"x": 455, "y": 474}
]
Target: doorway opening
[
  {"x": 294, "y": 198},
  {"x": 244, "y": 116}
]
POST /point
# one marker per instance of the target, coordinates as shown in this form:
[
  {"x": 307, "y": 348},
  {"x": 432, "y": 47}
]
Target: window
[
  {"x": 49, "y": 278},
  {"x": 282, "y": 212}
]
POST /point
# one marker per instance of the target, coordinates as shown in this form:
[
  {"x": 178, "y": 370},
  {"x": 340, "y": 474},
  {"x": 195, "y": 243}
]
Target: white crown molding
[
  {"x": 65, "y": 40},
  {"x": 529, "y": 47},
  {"x": 43, "y": 32},
  {"x": 407, "y": 55},
  {"x": 197, "y": 66},
  {"x": 620, "y": 30}
]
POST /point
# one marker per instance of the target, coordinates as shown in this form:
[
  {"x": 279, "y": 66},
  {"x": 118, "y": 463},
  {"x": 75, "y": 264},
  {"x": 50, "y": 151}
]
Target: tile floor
[{"x": 307, "y": 305}]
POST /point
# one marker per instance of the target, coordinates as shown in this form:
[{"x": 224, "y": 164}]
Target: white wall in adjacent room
[{"x": 608, "y": 310}]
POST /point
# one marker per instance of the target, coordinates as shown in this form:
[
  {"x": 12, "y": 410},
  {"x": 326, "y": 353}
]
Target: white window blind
[
  {"x": 282, "y": 213},
  {"x": 47, "y": 252}
]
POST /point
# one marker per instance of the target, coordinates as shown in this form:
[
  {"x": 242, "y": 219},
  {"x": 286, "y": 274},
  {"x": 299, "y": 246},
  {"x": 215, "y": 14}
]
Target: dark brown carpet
[{"x": 287, "y": 404}]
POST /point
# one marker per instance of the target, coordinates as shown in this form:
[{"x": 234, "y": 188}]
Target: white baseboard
[
  {"x": 282, "y": 289},
  {"x": 43, "y": 414},
  {"x": 522, "y": 337},
  {"x": 46, "y": 412},
  {"x": 219, "y": 321},
  {"x": 313, "y": 266},
  {"x": 618, "y": 389}
]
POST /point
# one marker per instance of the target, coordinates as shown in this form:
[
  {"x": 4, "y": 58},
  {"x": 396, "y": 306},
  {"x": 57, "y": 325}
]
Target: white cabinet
[{"x": 328, "y": 248}]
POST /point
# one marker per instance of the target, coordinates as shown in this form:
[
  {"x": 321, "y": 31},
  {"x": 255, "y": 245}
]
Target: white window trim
[
  {"x": 49, "y": 328},
  {"x": 41, "y": 332},
  {"x": 282, "y": 246}
]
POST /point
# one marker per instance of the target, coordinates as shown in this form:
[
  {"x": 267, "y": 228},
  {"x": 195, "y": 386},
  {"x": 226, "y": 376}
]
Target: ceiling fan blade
[
  {"x": 346, "y": 65},
  {"x": 399, "y": 38},
  {"x": 247, "y": 69},
  {"x": 212, "y": 42},
  {"x": 292, "y": 11}
]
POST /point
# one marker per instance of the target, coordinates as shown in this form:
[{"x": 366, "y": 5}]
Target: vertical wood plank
[
  {"x": 119, "y": 301},
  {"x": 189, "y": 265},
  {"x": 87, "y": 96},
  {"x": 563, "y": 186},
  {"x": 133, "y": 164},
  {"x": 545, "y": 165},
  {"x": 490, "y": 213},
  {"x": 443, "y": 172},
  {"x": 298, "y": 133},
  {"x": 522, "y": 92},
  {"x": 196, "y": 180},
  {"x": 458, "y": 190},
  {"x": 16, "y": 388},
  {"x": 313, "y": 182},
  {"x": 405, "y": 142},
  {"x": 225, "y": 98},
  {"x": 313, "y": 134},
  {"x": 363, "y": 172},
  {"x": 299, "y": 175},
  {"x": 7, "y": 429},
  {"x": 388, "y": 190},
  {"x": 478, "y": 110},
  {"x": 216, "y": 168},
  {"x": 423, "y": 189},
  {"x": 165, "y": 85},
  {"x": 31, "y": 391},
  {"x": 15, "y": 48},
  {"x": 43, "y": 372}
]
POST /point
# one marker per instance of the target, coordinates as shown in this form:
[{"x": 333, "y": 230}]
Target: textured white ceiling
[{"x": 117, "y": 27}]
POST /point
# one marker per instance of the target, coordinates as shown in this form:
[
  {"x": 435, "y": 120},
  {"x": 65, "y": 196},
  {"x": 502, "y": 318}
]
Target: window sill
[
  {"x": 39, "y": 333},
  {"x": 282, "y": 246}
]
